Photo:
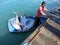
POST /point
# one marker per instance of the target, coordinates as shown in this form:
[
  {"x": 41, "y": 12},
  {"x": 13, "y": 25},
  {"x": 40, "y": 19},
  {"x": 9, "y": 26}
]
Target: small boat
[{"x": 27, "y": 22}]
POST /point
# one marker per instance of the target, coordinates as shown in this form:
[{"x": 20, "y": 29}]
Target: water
[{"x": 6, "y": 12}]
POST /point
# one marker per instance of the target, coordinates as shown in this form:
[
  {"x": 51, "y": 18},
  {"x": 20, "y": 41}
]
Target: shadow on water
[
  {"x": 53, "y": 30},
  {"x": 14, "y": 38}
]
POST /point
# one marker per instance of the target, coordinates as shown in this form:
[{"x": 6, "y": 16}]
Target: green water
[{"x": 6, "y": 7}]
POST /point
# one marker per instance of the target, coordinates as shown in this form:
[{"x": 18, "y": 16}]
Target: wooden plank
[
  {"x": 54, "y": 24},
  {"x": 46, "y": 38}
]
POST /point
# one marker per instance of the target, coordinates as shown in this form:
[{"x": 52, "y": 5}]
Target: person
[{"x": 40, "y": 13}]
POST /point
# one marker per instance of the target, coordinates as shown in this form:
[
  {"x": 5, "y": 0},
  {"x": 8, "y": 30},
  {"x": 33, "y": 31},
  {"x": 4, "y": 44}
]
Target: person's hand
[
  {"x": 17, "y": 12},
  {"x": 44, "y": 15},
  {"x": 47, "y": 10}
]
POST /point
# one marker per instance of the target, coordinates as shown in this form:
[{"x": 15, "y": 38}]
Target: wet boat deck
[{"x": 50, "y": 35}]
